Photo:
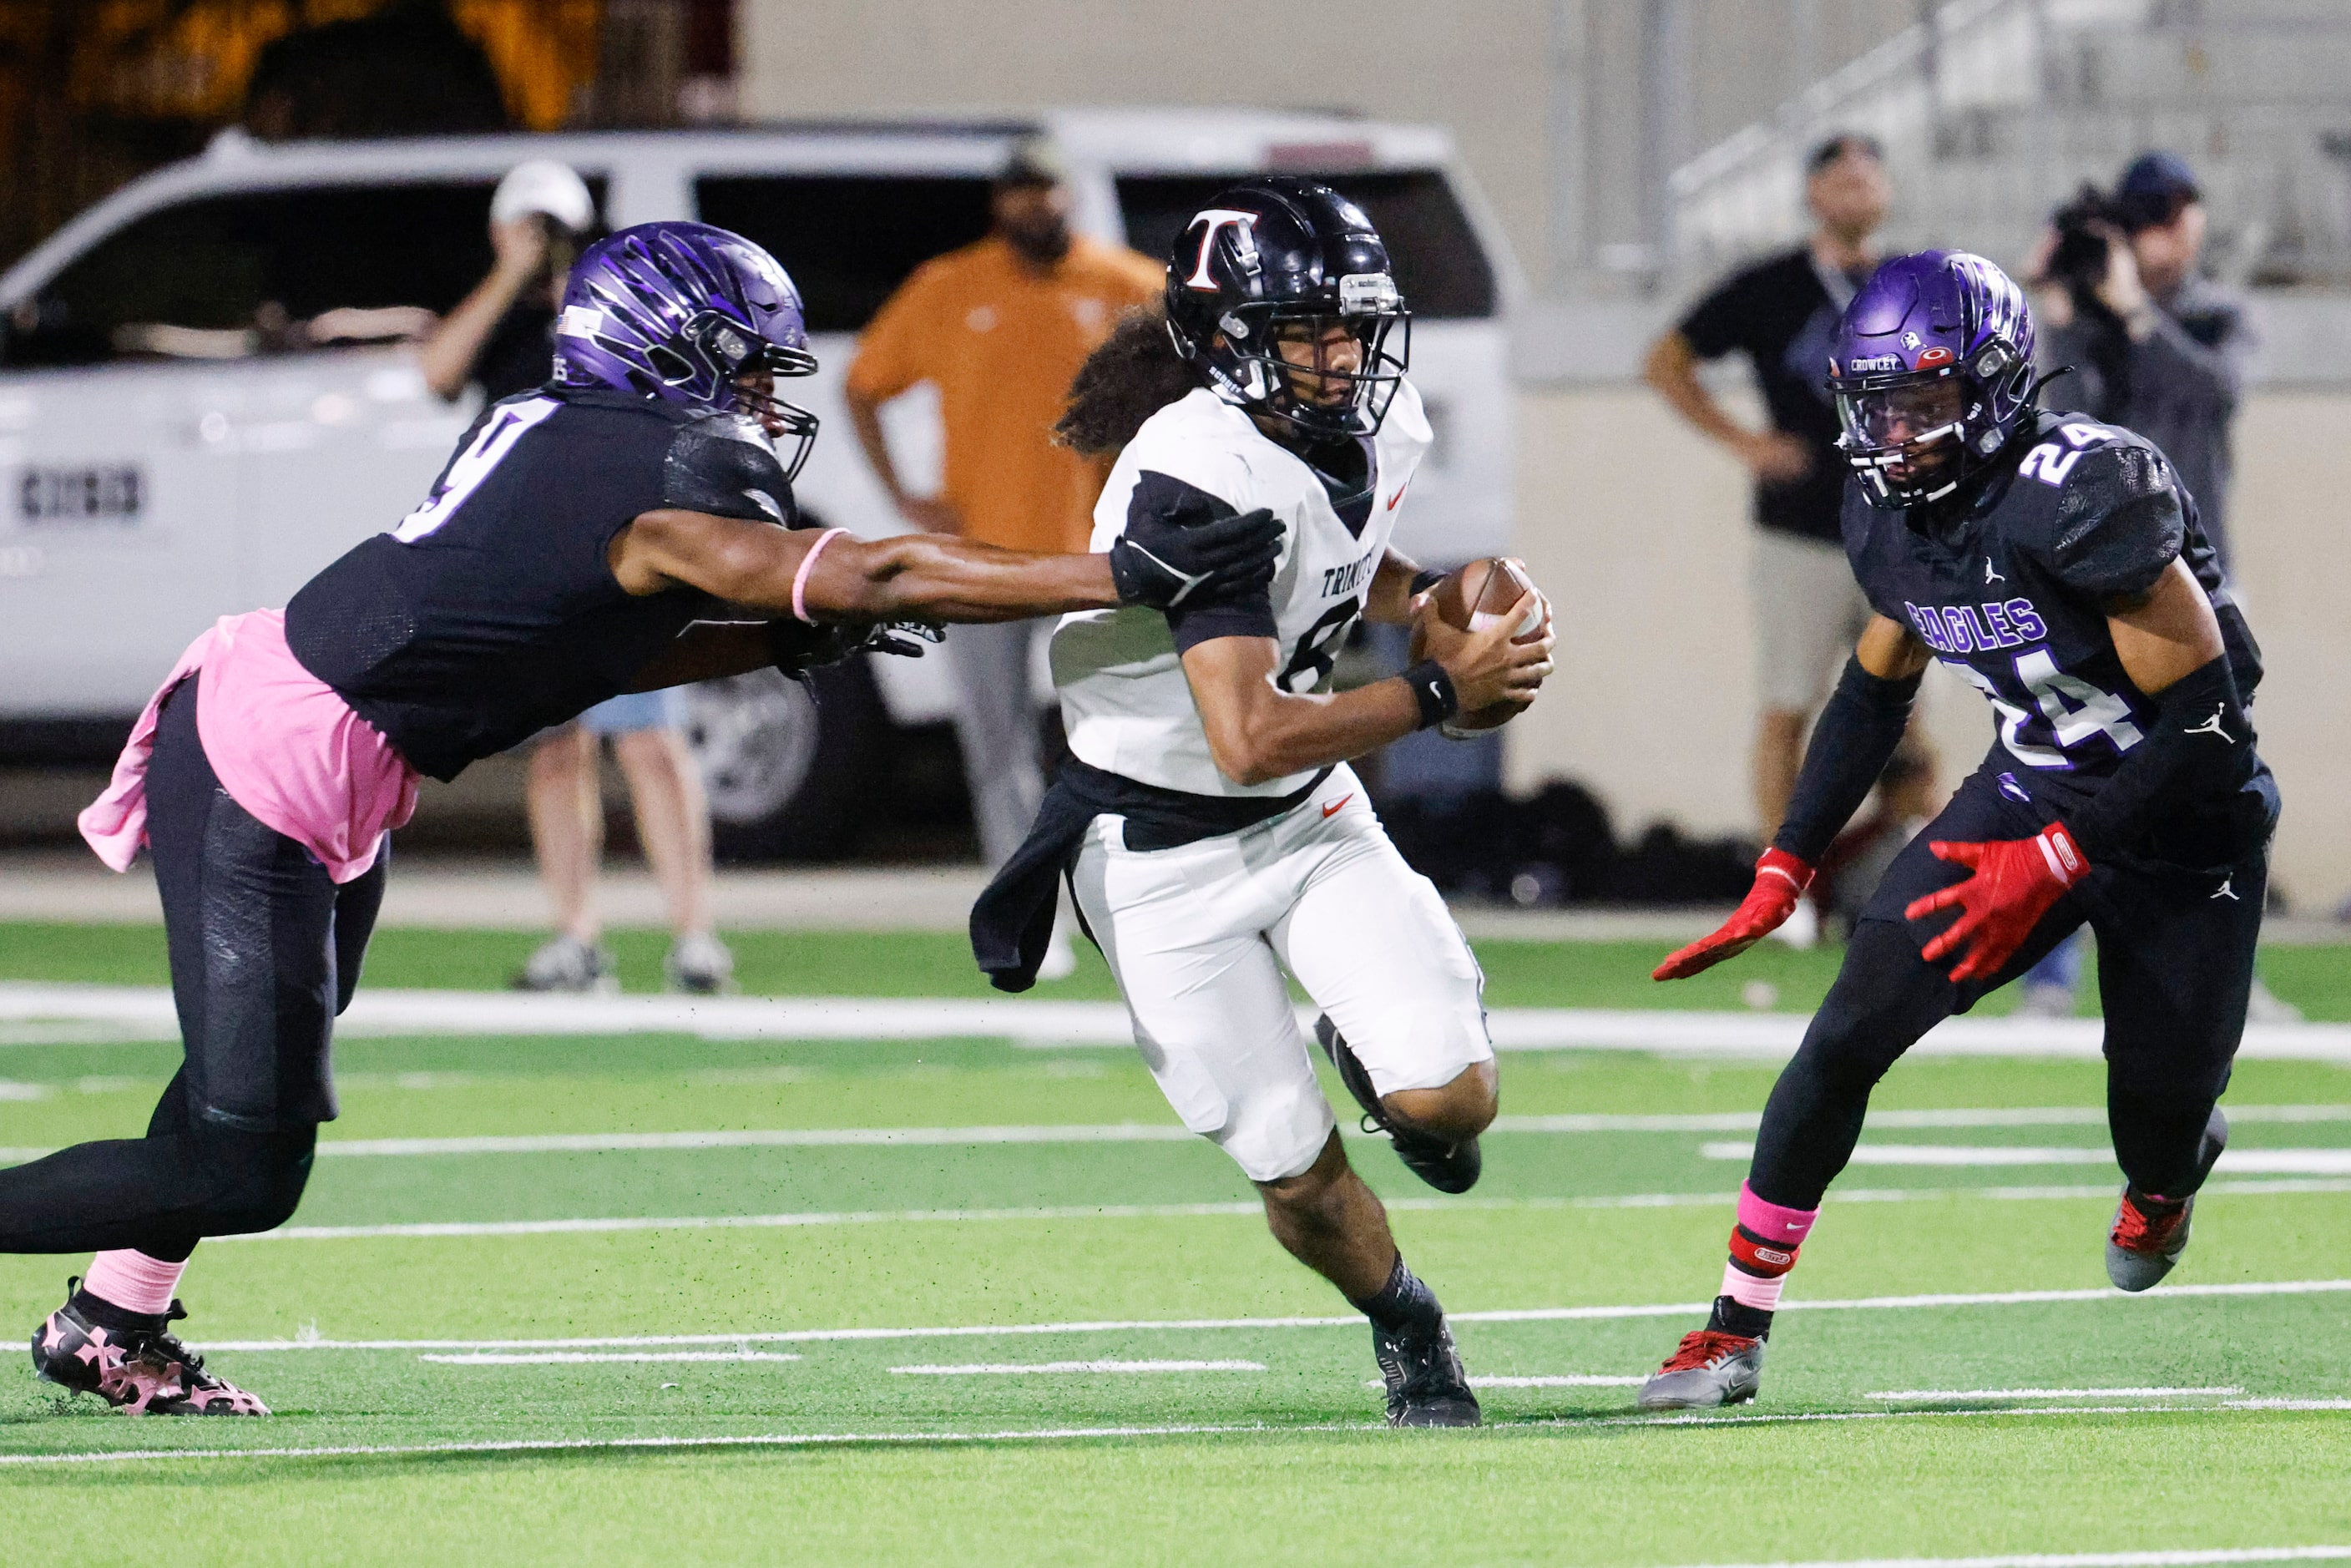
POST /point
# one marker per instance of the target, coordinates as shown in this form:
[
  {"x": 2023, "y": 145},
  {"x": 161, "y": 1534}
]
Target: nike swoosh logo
[
  {"x": 1397, "y": 496},
  {"x": 1336, "y": 807}
]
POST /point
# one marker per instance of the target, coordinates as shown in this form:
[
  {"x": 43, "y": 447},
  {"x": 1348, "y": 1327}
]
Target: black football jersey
[
  {"x": 491, "y": 611},
  {"x": 2009, "y": 592}
]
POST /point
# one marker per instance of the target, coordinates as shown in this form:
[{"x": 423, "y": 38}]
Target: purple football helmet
[
  {"x": 682, "y": 313},
  {"x": 1932, "y": 371}
]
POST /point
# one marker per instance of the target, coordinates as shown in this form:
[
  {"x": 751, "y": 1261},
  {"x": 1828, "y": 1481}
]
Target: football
[{"x": 1470, "y": 599}]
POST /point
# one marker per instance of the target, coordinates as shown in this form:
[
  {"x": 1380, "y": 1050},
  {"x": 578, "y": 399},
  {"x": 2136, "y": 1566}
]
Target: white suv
[{"x": 175, "y": 454}]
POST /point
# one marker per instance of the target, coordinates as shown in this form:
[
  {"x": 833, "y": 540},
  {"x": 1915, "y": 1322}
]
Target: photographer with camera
[
  {"x": 2154, "y": 345},
  {"x": 2160, "y": 349}
]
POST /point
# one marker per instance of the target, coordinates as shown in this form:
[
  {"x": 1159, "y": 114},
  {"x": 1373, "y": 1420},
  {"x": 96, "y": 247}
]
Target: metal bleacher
[{"x": 1992, "y": 112}]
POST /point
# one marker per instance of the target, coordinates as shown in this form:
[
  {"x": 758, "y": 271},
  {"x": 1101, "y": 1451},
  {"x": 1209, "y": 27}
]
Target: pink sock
[
  {"x": 1771, "y": 1222},
  {"x": 1745, "y": 1288},
  {"x": 133, "y": 1280}
]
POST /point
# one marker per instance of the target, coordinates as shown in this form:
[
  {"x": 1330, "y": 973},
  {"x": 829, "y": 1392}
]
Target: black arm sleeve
[
  {"x": 1851, "y": 745},
  {"x": 2200, "y": 747},
  {"x": 1242, "y": 612}
]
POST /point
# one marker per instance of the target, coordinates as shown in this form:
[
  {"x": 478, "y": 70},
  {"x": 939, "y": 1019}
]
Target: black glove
[
  {"x": 1162, "y": 564},
  {"x": 795, "y": 647}
]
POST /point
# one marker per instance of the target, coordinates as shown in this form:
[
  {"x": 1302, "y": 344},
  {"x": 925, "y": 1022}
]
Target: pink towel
[{"x": 283, "y": 744}]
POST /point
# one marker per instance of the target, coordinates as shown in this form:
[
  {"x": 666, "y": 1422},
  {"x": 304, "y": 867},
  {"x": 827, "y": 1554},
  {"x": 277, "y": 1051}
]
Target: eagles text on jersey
[{"x": 1125, "y": 702}]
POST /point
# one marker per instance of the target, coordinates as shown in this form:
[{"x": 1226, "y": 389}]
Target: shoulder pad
[
  {"x": 2119, "y": 520},
  {"x": 723, "y": 465}
]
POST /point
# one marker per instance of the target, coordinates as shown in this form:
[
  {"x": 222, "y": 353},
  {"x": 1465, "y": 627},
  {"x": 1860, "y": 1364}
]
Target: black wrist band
[
  {"x": 1422, "y": 582},
  {"x": 1432, "y": 688}
]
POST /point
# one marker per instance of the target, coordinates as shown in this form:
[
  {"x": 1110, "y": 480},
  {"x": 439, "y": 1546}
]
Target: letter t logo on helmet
[{"x": 1216, "y": 220}]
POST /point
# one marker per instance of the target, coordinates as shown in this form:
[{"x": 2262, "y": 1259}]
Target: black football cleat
[
  {"x": 141, "y": 1371},
  {"x": 1425, "y": 1384},
  {"x": 1448, "y": 1167}
]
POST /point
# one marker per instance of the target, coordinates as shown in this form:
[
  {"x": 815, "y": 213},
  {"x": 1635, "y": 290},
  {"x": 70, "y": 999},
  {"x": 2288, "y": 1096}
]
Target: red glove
[
  {"x": 1779, "y": 880},
  {"x": 2015, "y": 882}
]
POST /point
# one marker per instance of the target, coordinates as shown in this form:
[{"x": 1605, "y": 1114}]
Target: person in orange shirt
[{"x": 1000, "y": 328}]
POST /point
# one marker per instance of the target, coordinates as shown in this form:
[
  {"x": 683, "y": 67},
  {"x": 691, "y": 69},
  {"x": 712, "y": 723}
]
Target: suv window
[
  {"x": 209, "y": 269},
  {"x": 847, "y": 240},
  {"x": 1439, "y": 265}
]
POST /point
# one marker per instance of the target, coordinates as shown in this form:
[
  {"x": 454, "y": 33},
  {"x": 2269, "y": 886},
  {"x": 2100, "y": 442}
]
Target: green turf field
[{"x": 768, "y": 1278}]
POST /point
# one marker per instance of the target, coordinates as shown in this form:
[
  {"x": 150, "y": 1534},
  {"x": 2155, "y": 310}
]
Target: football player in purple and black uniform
[
  {"x": 626, "y": 527},
  {"x": 2056, "y": 564}
]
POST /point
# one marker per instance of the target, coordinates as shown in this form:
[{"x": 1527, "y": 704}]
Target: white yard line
[
  {"x": 1563, "y": 1380},
  {"x": 2290, "y": 1403},
  {"x": 1088, "y": 1434},
  {"x": 1351, "y": 1320},
  {"x": 148, "y": 1011},
  {"x": 1908, "y": 1394},
  {"x": 1032, "y": 1368},
  {"x": 577, "y": 1357},
  {"x": 2176, "y": 1559},
  {"x": 2235, "y": 1162},
  {"x": 458, "y": 1228}
]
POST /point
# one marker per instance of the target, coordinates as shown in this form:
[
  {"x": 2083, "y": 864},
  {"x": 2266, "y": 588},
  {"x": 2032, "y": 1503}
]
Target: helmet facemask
[
  {"x": 1915, "y": 436},
  {"x": 715, "y": 350},
  {"x": 1316, "y": 394}
]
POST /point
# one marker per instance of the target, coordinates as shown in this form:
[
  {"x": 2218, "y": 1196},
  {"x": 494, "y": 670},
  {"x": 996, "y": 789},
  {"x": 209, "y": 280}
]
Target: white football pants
[{"x": 1198, "y": 936}]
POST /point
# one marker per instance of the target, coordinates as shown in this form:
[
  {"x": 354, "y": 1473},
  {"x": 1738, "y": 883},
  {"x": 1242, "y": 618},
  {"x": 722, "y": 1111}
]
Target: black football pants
[
  {"x": 2175, "y": 971},
  {"x": 264, "y": 952}
]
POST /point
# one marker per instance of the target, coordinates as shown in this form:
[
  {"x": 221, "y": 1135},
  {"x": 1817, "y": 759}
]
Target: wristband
[
  {"x": 808, "y": 564},
  {"x": 2065, "y": 861},
  {"x": 1422, "y": 582},
  {"x": 1432, "y": 688}
]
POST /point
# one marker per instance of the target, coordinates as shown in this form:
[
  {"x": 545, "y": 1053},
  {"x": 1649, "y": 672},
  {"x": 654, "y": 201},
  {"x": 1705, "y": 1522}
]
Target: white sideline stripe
[
  {"x": 1157, "y": 1132},
  {"x": 2187, "y": 1559},
  {"x": 2048, "y": 1393},
  {"x": 426, "y": 1230},
  {"x": 754, "y": 1138},
  {"x": 1191, "y": 1325},
  {"x": 1027, "y": 1369},
  {"x": 148, "y": 1011},
  {"x": 601, "y": 1445},
  {"x": 2235, "y": 1162},
  {"x": 1083, "y": 1433},
  {"x": 573, "y": 1357},
  {"x": 2290, "y": 1403}
]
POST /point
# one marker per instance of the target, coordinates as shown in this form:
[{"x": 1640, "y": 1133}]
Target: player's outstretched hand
[
  {"x": 1160, "y": 562},
  {"x": 1490, "y": 667},
  {"x": 1779, "y": 880},
  {"x": 2015, "y": 882}
]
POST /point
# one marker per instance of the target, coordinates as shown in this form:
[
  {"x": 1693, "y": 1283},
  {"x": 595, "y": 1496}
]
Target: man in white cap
[{"x": 501, "y": 338}]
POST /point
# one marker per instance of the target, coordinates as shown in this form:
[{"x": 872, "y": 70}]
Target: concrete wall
[
  {"x": 1638, "y": 529},
  {"x": 1479, "y": 66},
  {"x": 1546, "y": 96}
]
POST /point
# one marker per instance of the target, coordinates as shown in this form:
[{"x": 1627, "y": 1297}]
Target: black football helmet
[{"x": 1277, "y": 250}]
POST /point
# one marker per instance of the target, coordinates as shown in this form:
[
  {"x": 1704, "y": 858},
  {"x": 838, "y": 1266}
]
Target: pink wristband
[{"x": 800, "y": 578}]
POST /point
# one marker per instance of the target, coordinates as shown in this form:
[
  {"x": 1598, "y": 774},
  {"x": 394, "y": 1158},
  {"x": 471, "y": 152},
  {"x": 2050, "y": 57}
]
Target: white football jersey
[{"x": 1125, "y": 701}]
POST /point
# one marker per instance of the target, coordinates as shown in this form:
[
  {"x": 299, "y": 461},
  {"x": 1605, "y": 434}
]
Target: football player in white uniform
[{"x": 1207, "y": 821}]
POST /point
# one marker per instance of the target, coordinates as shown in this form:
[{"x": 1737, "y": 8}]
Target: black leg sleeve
[
  {"x": 357, "y": 902},
  {"x": 158, "y": 1194},
  {"x": 1885, "y": 998}
]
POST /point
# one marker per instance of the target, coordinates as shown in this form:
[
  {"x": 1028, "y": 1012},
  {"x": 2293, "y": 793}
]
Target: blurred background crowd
[{"x": 1625, "y": 230}]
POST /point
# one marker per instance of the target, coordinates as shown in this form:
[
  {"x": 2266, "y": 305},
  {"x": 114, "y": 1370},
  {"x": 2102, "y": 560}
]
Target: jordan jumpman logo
[{"x": 2213, "y": 726}]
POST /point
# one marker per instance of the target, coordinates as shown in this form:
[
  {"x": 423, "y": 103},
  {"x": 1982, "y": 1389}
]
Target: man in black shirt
[{"x": 1781, "y": 313}]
